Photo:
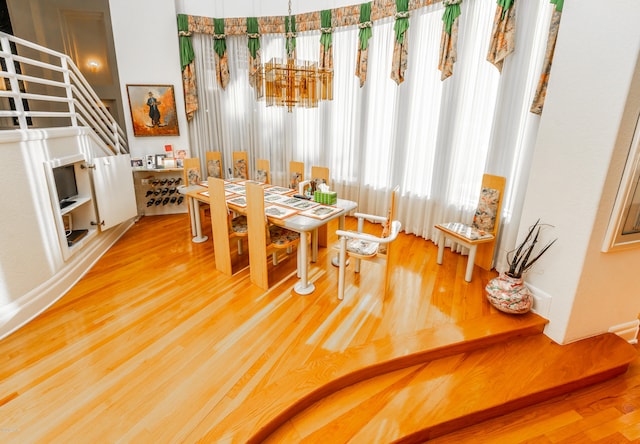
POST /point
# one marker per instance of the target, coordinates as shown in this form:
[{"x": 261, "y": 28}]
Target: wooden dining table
[{"x": 305, "y": 225}]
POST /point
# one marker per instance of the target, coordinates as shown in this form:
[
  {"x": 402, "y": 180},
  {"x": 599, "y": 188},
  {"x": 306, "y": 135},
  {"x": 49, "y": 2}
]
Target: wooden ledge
[{"x": 267, "y": 410}]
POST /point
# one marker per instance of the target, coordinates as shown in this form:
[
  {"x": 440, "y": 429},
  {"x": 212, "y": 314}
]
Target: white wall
[
  {"x": 571, "y": 185},
  {"x": 146, "y": 42}
]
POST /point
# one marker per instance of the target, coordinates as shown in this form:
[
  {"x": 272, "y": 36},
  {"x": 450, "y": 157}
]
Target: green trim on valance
[
  {"x": 326, "y": 36},
  {"x": 506, "y": 4},
  {"x": 365, "y": 25},
  {"x": 219, "y": 42},
  {"x": 402, "y": 19},
  {"x": 451, "y": 13},
  {"x": 290, "y": 42},
  {"x": 252, "y": 32},
  {"x": 186, "y": 49},
  {"x": 559, "y": 4}
]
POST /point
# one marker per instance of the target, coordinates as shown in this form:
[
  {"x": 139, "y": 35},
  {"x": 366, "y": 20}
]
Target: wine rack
[{"x": 157, "y": 191}]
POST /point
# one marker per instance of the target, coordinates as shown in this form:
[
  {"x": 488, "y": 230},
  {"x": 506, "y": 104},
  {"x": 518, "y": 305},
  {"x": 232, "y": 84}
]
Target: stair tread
[
  {"x": 437, "y": 397},
  {"x": 272, "y": 406}
]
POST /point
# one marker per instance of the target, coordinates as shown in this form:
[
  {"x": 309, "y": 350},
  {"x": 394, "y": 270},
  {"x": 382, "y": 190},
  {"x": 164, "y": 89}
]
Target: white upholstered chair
[{"x": 363, "y": 246}]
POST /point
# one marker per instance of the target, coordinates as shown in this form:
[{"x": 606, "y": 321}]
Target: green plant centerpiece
[{"x": 507, "y": 292}]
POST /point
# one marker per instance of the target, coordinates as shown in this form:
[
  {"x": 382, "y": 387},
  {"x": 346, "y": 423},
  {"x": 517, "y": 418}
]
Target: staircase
[
  {"x": 43, "y": 88},
  {"x": 417, "y": 387}
]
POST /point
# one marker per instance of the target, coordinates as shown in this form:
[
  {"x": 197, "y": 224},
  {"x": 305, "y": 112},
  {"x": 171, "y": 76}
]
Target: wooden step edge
[
  {"x": 619, "y": 355},
  {"x": 267, "y": 410}
]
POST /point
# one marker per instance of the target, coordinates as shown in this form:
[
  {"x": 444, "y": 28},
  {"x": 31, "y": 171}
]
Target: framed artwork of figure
[{"x": 153, "y": 110}]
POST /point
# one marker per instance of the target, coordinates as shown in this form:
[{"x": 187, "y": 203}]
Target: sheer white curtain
[{"x": 435, "y": 139}]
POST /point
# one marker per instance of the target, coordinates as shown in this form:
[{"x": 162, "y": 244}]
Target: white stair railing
[{"x": 42, "y": 88}]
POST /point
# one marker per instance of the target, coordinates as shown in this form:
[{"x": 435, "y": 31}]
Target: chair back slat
[
  {"x": 241, "y": 165},
  {"x": 257, "y": 236},
  {"x": 263, "y": 171},
  {"x": 214, "y": 164},
  {"x": 220, "y": 226},
  {"x": 296, "y": 174},
  {"x": 191, "y": 171}
]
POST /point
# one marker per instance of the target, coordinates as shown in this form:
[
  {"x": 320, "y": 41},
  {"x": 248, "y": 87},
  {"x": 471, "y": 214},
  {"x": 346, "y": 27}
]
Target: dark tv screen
[{"x": 65, "y": 178}]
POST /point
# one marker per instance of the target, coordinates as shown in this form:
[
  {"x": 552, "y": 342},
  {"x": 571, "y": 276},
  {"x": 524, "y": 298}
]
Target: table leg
[
  {"x": 199, "y": 238},
  {"x": 304, "y": 286},
  {"x": 314, "y": 246},
  {"x": 336, "y": 259},
  {"x": 191, "y": 216}
]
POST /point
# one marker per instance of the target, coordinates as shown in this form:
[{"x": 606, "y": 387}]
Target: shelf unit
[
  {"x": 157, "y": 192},
  {"x": 82, "y": 213}
]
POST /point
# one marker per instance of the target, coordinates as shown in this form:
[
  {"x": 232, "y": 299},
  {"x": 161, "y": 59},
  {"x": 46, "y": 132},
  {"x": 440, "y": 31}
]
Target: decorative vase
[{"x": 509, "y": 294}]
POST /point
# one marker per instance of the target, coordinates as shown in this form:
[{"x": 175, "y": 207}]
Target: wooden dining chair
[
  {"x": 296, "y": 174},
  {"x": 192, "y": 176},
  {"x": 240, "y": 165},
  {"x": 225, "y": 226},
  {"x": 214, "y": 164},
  {"x": 265, "y": 239},
  {"x": 321, "y": 175},
  {"x": 263, "y": 171},
  {"x": 191, "y": 171},
  {"x": 480, "y": 235},
  {"x": 364, "y": 246}
]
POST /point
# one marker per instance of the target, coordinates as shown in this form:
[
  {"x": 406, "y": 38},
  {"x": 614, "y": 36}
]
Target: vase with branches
[
  {"x": 507, "y": 292},
  {"x": 523, "y": 257}
]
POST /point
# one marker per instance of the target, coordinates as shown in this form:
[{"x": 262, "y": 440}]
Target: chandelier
[{"x": 293, "y": 82}]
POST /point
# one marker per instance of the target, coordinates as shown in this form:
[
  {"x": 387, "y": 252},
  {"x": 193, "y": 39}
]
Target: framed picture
[
  {"x": 137, "y": 162},
  {"x": 623, "y": 230},
  {"x": 279, "y": 212},
  {"x": 321, "y": 212},
  {"x": 160, "y": 160},
  {"x": 153, "y": 110}
]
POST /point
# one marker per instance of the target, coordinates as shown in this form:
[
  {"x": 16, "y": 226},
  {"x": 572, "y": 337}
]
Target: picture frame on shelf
[
  {"x": 153, "y": 110},
  {"x": 159, "y": 161},
  {"x": 137, "y": 162}
]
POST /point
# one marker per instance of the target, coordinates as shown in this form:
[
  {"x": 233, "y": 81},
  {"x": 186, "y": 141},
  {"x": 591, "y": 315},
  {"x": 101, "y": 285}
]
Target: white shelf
[
  {"x": 77, "y": 245},
  {"x": 79, "y": 201}
]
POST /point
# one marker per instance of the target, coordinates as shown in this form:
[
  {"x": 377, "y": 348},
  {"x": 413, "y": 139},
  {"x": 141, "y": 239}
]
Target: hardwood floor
[{"x": 154, "y": 345}]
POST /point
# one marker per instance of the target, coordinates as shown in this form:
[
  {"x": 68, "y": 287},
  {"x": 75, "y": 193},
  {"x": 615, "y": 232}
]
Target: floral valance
[
  {"x": 310, "y": 21},
  {"x": 362, "y": 16}
]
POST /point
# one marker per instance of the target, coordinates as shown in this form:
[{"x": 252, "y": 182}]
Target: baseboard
[
  {"x": 627, "y": 331},
  {"x": 541, "y": 301},
  {"x": 36, "y": 301}
]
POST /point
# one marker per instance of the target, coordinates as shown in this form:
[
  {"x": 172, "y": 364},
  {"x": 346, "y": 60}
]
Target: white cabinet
[
  {"x": 114, "y": 191},
  {"x": 87, "y": 197}
]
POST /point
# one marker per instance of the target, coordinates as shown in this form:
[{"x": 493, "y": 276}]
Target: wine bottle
[{"x": 150, "y": 202}]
